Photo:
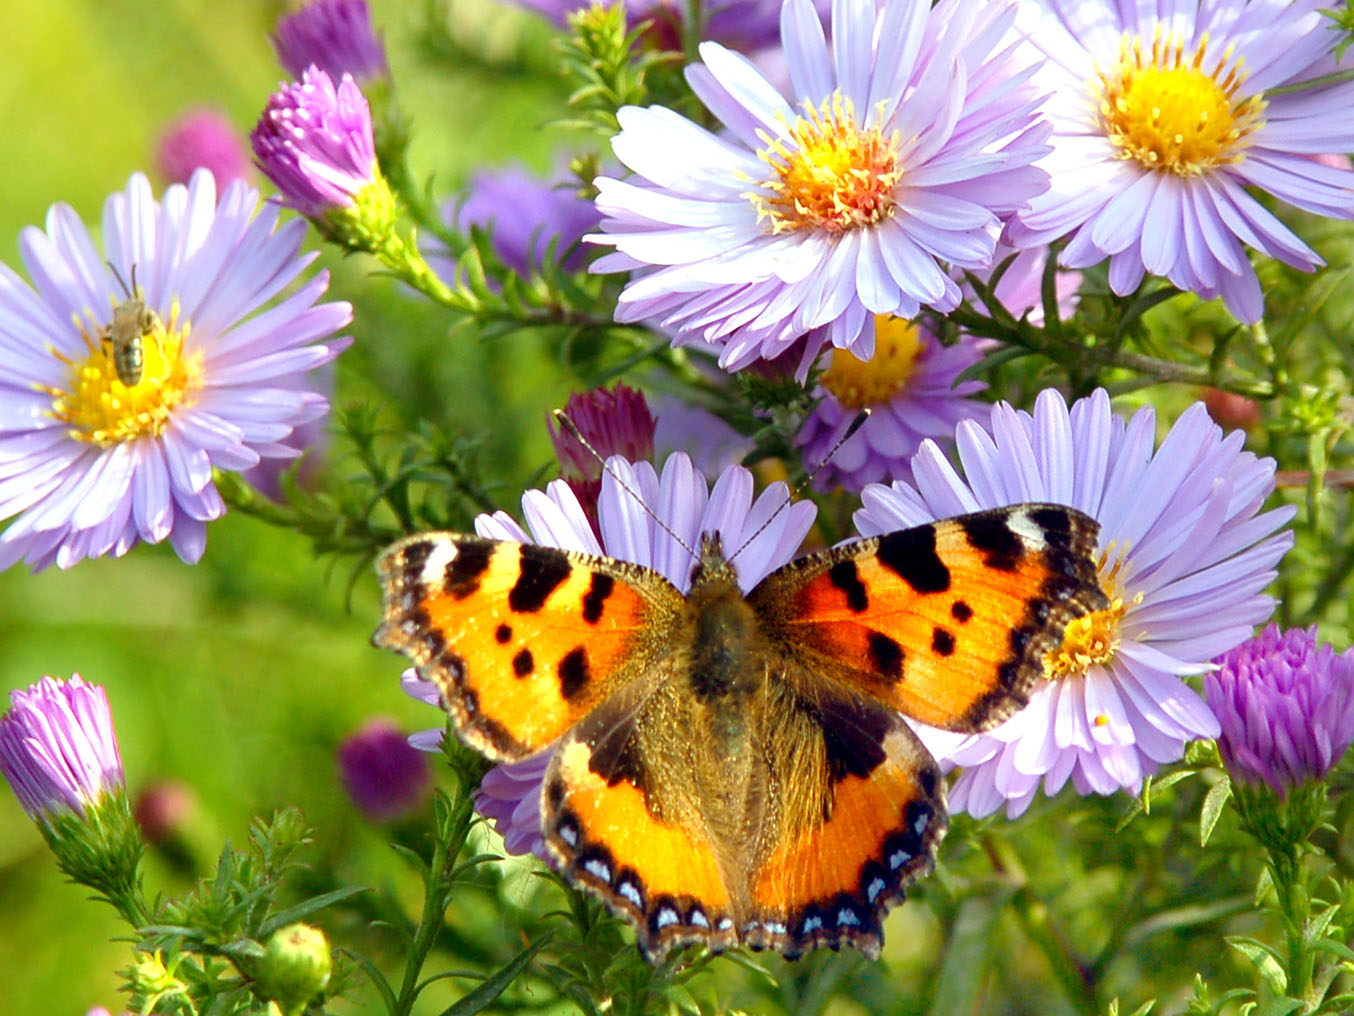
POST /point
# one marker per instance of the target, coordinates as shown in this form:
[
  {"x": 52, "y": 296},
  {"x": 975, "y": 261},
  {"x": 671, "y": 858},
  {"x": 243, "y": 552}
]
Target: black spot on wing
[
  {"x": 886, "y": 656},
  {"x": 1055, "y": 522},
  {"x": 990, "y": 534},
  {"x": 595, "y": 598},
  {"x": 502, "y": 633},
  {"x": 412, "y": 559},
  {"x": 574, "y": 672},
  {"x": 543, "y": 569},
  {"x": 853, "y": 736},
  {"x": 942, "y": 641},
  {"x": 523, "y": 664},
  {"x": 911, "y": 554},
  {"x": 961, "y": 611},
  {"x": 846, "y": 577},
  {"x": 615, "y": 756},
  {"x": 463, "y": 572}
]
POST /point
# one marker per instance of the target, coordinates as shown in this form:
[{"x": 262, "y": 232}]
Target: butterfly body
[{"x": 730, "y": 768}]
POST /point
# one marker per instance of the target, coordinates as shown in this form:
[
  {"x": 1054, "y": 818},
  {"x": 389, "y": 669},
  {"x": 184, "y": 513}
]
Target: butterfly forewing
[
  {"x": 947, "y": 622},
  {"x": 522, "y": 641}
]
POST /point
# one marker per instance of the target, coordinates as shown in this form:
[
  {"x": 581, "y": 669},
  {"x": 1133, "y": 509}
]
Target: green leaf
[
  {"x": 485, "y": 994},
  {"x": 1264, "y": 885},
  {"x": 960, "y": 983},
  {"x": 1265, "y": 959},
  {"x": 1334, "y": 947},
  {"x": 1316, "y": 926},
  {"x": 1214, "y": 802},
  {"x": 377, "y": 978},
  {"x": 1157, "y": 787},
  {"x": 1277, "y": 1007},
  {"x": 307, "y": 907}
]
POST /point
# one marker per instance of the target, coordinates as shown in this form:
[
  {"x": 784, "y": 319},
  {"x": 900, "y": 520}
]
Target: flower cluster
[
  {"x": 815, "y": 213},
  {"x": 899, "y": 253}
]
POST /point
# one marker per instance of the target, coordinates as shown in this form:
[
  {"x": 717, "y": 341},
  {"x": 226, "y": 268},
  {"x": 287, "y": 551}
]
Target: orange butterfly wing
[
  {"x": 836, "y": 859},
  {"x": 947, "y": 622},
  {"x": 522, "y": 640},
  {"x": 623, "y": 821}
]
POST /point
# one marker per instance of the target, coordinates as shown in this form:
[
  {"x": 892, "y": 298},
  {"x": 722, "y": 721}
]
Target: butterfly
[{"x": 736, "y": 769}]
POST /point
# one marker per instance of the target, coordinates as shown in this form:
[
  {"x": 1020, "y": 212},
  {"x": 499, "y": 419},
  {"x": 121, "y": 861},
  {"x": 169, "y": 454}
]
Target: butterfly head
[{"x": 713, "y": 568}]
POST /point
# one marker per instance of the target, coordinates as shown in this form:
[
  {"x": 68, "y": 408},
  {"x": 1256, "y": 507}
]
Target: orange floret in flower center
[
  {"x": 1093, "y": 638},
  {"x": 828, "y": 173},
  {"x": 859, "y": 383},
  {"x": 103, "y": 411},
  {"x": 1175, "y": 110}
]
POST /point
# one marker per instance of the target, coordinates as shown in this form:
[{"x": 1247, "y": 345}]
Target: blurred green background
[{"x": 239, "y": 676}]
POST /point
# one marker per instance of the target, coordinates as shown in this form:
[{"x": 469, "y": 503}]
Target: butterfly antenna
[
  {"x": 849, "y": 433},
  {"x": 121, "y": 281},
  {"x": 562, "y": 418}
]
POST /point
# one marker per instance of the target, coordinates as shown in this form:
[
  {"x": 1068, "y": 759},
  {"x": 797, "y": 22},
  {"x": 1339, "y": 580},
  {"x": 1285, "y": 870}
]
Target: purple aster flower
[
  {"x": 89, "y": 464},
  {"x": 903, "y": 145},
  {"x": 334, "y": 35},
  {"x": 309, "y": 442},
  {"x": 1163, "y": 122},
  {"x": 1286, "y": 707},
  {"x": 509, "y": 796},
  {"x": 712, "y": 444},
  {"x": 1185, "y": 554},
  {"x": 761, "y": 534},
  {"x": 57, "y": 747},
  {"x": 909, "y": 387},
  {"x": 314, "y": 142},
  {"x": 386, "y": 777},
  {"x": 205, "y": 138},
  {"x": 616, "y": 422},
  {"x": 524, "y": 216}
]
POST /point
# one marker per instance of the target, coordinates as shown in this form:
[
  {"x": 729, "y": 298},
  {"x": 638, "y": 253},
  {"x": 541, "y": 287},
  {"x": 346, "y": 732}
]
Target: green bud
[
  {"x": 369, "y": 224},
  {"x": 101, "y": 850},
  {"x": 151, "y": 981},
  {"x": 295, "y": 967}
]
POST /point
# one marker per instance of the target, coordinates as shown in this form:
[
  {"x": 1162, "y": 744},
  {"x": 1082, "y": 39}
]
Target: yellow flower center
[
  {"x": 828, "y": 173},
  {"x": 1093, "y": 638},
  {"x": 104, "y": 411},
  {"x": 859, "y": 383},
  {"x": 1174, "y": 110}
]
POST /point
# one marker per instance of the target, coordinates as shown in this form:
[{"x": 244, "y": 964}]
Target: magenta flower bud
[
  {"x": 57, "y": 747},
  {"x": 314, "y": 142},
  {"x": 202, "y": 138},
  {"x": 616, "y": 422},
  {"x": 1286, "y": 706},
  {"x": 334, "y": 35},
  {"x": 385, "y": 776}
]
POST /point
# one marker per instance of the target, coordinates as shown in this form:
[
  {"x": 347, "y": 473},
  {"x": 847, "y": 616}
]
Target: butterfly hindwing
[
  {"x": 834, "y": 864},
  {"x": 619, "y": 825},
  {"x": 946, "y": 622},
  {"x": 522, "y": 640}
]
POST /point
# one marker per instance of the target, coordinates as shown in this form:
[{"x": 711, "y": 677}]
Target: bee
[{"x": 132, "y": 323}]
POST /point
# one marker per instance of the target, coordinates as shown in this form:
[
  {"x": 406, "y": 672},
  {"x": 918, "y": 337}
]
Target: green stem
[
  {"x": 1048, "y": 343},
  {"x": 436, "y": 896},
  {"x": 1036, "y": 921}
]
